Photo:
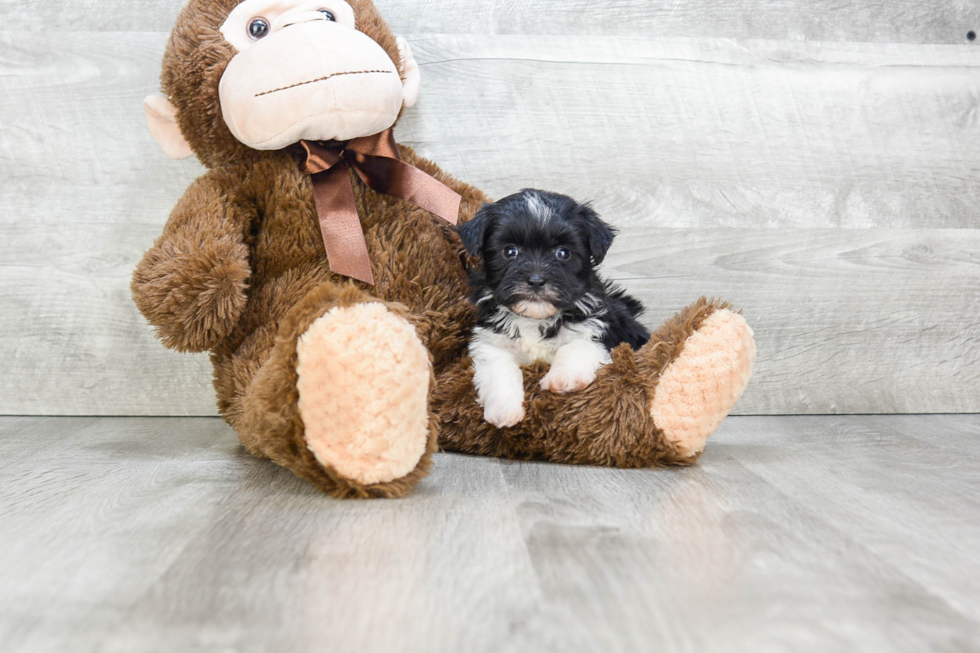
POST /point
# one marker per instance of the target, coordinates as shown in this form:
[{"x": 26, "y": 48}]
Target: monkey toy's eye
[
  {"x": 258, "y": 28},
  {"x": 328, "y": 15},
  {"x": 561, "y": 254},
  {"x": 510, "y": 251}
]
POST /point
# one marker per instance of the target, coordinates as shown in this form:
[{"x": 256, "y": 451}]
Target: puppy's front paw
[
  {"x": 504, "y": 413},
  {"x": 567, "y": 379}
]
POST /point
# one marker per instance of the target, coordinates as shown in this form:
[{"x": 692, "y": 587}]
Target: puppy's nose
[{"x": 535, "y": 280}]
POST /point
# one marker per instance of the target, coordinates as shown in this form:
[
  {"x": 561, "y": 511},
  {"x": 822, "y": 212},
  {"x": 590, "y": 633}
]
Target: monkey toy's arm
[{"x": 191, "y": 284}]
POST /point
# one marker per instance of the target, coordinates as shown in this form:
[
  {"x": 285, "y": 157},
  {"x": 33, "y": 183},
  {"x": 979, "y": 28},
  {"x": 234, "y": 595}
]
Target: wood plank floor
[{"x": 792, "y": 533}]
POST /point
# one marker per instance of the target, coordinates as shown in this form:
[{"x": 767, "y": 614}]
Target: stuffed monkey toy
[{"x": 317, "y": 261}]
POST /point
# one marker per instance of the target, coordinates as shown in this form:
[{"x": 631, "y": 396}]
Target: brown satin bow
[{"x": 375, "y": 160}]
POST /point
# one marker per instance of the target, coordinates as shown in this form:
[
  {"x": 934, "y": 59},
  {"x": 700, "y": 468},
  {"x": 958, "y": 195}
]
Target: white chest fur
[
  {"x": 575, "y": 352},
  {"x": 526, "y": 339}
]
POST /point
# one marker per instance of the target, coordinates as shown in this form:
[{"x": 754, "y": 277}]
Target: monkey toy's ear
[
  {"x": 410, "y": 73},
  {"x": 161, "y": 118},
  {"x": 474, "y": 233}
]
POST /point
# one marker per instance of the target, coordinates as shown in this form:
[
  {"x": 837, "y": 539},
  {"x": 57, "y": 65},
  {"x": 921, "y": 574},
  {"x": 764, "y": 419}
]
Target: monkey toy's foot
[
  {"x": 342, "y": 398},
  {"x": 698, "y": 388},
  {"x": 363, "y": 382}
]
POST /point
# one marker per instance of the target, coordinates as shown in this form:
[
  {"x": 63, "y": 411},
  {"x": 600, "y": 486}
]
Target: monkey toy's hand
[
  {"x": 191, "y": 285},
  {"x": 192, "y": 292}
]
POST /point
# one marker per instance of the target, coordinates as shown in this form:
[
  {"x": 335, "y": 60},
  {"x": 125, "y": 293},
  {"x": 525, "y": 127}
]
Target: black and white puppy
[{"x": 540, "y": 298}]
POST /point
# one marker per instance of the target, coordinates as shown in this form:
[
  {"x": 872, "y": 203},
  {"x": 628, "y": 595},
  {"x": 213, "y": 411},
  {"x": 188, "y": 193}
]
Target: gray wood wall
[{"x": 815, "y": 162}]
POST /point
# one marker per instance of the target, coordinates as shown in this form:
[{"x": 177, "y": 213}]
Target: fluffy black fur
[{"x": 538, "y": 224}]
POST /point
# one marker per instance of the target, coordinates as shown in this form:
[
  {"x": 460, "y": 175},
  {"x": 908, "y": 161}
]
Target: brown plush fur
[
  {"x": 608, "y": 423},
  {"x": 240, "y": 271}
]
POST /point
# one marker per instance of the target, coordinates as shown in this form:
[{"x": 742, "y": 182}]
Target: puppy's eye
[
  {"x": 561, "y": 254},
  {"x": 328, "y": 15},
  {"x": 258, "y": 28},
  {"x": 510, "y": 251}
]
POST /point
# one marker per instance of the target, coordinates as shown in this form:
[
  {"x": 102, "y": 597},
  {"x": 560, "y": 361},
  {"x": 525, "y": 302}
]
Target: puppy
[{"x": 539, "y": 298}]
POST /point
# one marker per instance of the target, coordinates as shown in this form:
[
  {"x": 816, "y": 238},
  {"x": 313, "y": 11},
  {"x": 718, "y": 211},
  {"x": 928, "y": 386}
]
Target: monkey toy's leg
[
  {"x": 700, "y": 372},
  {"x": 342, "y": 400},
  {"x": 655, "y": 406}
]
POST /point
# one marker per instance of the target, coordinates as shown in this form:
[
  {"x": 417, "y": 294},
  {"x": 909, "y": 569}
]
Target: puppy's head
[{"x": 539, "y": 251}]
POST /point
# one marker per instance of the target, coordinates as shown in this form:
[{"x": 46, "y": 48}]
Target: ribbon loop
[
  {"x": 376, "y": 161},
  {"x": 319, "y": 158}
]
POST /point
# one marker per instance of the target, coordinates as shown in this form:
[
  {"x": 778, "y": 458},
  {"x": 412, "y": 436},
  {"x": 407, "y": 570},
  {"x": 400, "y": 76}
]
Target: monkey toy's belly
[{"x": 415, "y": 258}]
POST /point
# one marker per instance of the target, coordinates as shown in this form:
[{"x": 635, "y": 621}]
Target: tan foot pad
[
  {"x": 363, "y": 393},
  {"x": 697, "y": 390}
]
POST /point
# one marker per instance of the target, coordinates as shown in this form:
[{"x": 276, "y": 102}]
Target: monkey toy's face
[
  {"x": 304, "y": 71},
  {"x": 296, "y": 70}
]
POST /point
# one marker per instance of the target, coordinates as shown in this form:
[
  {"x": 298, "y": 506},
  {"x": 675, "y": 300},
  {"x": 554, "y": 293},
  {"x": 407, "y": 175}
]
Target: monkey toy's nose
[{"x": 535, "y": 281}]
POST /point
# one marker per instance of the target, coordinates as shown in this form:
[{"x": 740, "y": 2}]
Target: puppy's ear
[
  {"x": 598, "y": 234},
  {"x": 474, "y": 232}
]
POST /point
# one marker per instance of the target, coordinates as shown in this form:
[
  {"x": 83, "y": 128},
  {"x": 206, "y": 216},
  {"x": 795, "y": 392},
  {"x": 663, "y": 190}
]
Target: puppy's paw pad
[
  {"x": 504, "y": 415},
  {"x": 566, "y": 380}
]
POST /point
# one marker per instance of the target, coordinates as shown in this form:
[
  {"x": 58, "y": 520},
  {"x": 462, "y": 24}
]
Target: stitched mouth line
[{"x": 322, "y": 79}]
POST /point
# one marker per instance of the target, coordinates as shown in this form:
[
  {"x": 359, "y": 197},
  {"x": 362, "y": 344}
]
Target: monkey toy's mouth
[{"x": 325, "y": 78}]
